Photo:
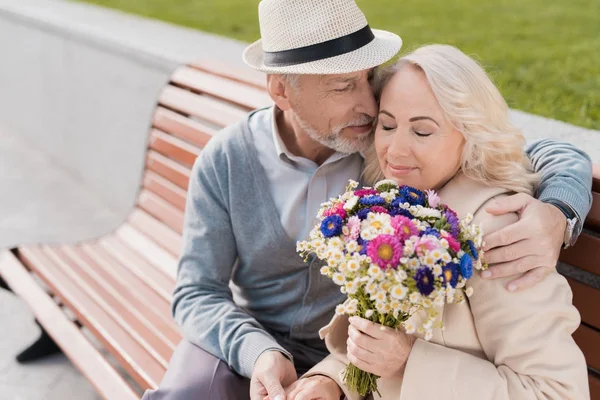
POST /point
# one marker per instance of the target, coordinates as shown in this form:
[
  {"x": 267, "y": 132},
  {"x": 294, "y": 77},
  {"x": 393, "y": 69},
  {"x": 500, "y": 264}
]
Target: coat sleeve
[{"x": 526, "y": 337}]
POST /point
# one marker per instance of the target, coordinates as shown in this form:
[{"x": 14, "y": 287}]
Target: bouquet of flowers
[{"x": 394, "y": 250}]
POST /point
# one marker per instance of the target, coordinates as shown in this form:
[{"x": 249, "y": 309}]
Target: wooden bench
[
  {"x": 119, "y": 286},
  {"x": 585, "y": 282}
]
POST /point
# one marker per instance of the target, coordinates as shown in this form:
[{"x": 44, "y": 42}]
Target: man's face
[{"x": 336, "y": 110}]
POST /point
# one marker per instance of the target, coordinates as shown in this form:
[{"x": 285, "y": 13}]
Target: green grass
[{"x": 544, "y": 55}]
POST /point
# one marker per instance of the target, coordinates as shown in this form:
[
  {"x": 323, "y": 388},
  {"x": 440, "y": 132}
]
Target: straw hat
[{"x": 317, "y": 37}]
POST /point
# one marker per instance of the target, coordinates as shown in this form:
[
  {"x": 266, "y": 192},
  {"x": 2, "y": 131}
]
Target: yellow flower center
[
  {"x": 376, "y": 224},
  {"x": 331, "y": 225},
  {"x": 448, "y": 275},
  {"x": 406, "y": 230},
  {"x": 385, "y": 252}
]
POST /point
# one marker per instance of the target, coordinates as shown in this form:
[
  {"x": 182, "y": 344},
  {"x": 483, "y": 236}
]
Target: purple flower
[
  {"x": 425, "y": 281},
  {"x": 466, "y": 266},
  {"x": 450, "y": 274},
  {"x": 452, "y": 219},
  {"x": 365, "y": 244},
  {"x": 362, "y": 214},
  {"x": 432, "y": 198},
  {"x": 332, "y": 226},
  {"x": 400, "y": 211}
]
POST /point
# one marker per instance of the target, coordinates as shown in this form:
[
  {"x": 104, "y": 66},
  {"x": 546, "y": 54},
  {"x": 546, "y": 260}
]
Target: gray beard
[{"x": 334, "y": 140}]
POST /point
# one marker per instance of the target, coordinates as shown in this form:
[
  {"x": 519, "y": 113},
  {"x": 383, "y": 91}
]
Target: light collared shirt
[{"x": 298, "y": 185}]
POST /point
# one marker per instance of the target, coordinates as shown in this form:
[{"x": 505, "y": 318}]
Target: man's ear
[{"x": 279, "y": 91}]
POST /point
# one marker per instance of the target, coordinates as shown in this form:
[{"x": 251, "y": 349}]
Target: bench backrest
[
  {"x": 200, "y": 100},
  {"x": 585, "y": 283}
]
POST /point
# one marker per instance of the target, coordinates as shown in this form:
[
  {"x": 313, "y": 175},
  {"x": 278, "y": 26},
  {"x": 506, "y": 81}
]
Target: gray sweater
[{"x": 241, "y": 287}]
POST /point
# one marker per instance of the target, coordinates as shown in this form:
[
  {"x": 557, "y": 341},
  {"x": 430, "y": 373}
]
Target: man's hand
[
  {"x": 315, "y": 387},
  {"x": 530, "y": 246},
  {"x": 376, "y": 349},
  {"x": 272, "y": 372}
]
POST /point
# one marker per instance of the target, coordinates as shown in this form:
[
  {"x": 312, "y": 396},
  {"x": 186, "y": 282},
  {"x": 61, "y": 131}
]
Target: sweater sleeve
[
  {"x": 526, "y": 337},
  {"x": 566, "y": 176},
  {"x": 203, "y": 304}
]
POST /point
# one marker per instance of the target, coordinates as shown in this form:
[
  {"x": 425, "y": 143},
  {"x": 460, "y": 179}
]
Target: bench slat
[
  {"x": 247, "y": 75},
  {"x": 202, "y": 107},
  {"x": 586, "y": 300},
  {"x": 585, "y": 254},
  {"x": 162, "y": 236},
  {"x": 165, "y": 189},
  {"x": 162, "y": 210},
  {"x": 178, "y": 125},
  {"x": 596, "y": 180},
  {"x": 154, "y": 308},
  {"x": 112, "y": 301},
  {"x": 162, "y": 284},
  {"x": 144, "y": 369},
  {"x": 105, "y": 379},
  {"x": 246, "y": 96},
  {"x": 168, "y": 169},
  {"x": 147, "y": 248},
  {"x": 587, "y": 339},
  {"x": 173, "y": 148}
]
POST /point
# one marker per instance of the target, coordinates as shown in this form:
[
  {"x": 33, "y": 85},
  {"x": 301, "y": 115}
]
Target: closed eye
[{"x": 421, "y": 134}]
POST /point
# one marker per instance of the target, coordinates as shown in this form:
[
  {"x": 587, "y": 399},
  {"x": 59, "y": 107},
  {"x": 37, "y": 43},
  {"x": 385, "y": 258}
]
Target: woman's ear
[{"x": 279, "y": 91}]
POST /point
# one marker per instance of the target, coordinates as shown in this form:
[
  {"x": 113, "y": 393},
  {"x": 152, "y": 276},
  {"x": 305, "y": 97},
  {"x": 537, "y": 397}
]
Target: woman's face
[{"x": 415, "y": 144}]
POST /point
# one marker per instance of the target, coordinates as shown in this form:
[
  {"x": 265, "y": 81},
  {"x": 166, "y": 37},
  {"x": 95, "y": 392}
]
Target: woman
[{"x": 444, "y": 125}]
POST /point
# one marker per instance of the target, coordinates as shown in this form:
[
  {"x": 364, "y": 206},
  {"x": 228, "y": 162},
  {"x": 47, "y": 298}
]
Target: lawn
[{"x": 544, "y": 55}]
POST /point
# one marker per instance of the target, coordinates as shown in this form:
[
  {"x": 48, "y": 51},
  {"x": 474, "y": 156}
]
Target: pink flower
[
  {"x": 385, "y": 251},
  {"x": 452, "y": 242},
  {"x": 337, "y": 210},
  {"x": 354, "y": 228},
  {"x": 366, "y": 192},
  {"x": 379, "y": 209},
  {"x": 425, "y": 244},
  {"x": 404, "y": 227},
  {"x": 432, "y": 198}
]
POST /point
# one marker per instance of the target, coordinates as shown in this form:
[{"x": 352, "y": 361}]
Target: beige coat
[{"x": 497, "y": 345}]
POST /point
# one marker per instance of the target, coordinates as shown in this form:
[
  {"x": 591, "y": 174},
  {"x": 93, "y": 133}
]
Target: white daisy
[
  {"x": 338, "y": 279},
  {"x": 340, "y": 309},
  {"x": 428, "y": 335},
  {"x": 351, "y": 203},
  {"x": 399, "y": 292},
  {"x": 469, "y": 291}
]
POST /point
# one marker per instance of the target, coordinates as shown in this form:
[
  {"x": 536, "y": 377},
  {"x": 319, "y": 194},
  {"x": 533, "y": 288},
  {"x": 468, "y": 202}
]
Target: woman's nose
[{"x": 400, "y": 146}]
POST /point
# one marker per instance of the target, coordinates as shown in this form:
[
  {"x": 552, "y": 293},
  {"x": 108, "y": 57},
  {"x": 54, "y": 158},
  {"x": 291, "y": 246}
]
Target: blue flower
[
  {"x": 397, "y": 202},
  {"x": 425, "y": 281},
  {"x": 362, "y": 214},
  {"x": 432, "y": 232},
  {"x": 466, "y": 266},
  {"x": 473, "y": 249},
  {"x": 450, "y": 274},
  {"x": 372, "y": 201},
  {"x": 401, "y": 211},
  {"x": 412, "y": 196},
  {"x": 332, "y": 226}
]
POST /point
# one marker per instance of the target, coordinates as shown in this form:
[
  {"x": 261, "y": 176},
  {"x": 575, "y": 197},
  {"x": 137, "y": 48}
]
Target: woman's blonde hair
[{"x": 493, "y": 153}]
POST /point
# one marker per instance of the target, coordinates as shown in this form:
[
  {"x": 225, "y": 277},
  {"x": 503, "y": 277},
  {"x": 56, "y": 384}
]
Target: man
[{"x": 248, "y": 306}]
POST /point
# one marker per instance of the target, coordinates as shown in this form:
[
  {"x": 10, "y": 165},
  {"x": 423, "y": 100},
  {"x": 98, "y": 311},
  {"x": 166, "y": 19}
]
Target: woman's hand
[
  {"x": 382, "y": 352},
  {"x": 318, "y": 387}
]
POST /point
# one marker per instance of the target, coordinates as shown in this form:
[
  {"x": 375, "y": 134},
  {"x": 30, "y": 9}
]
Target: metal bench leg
[
  {"x": 4, "y": 285},
  {"x": 41, "y": 348}
]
